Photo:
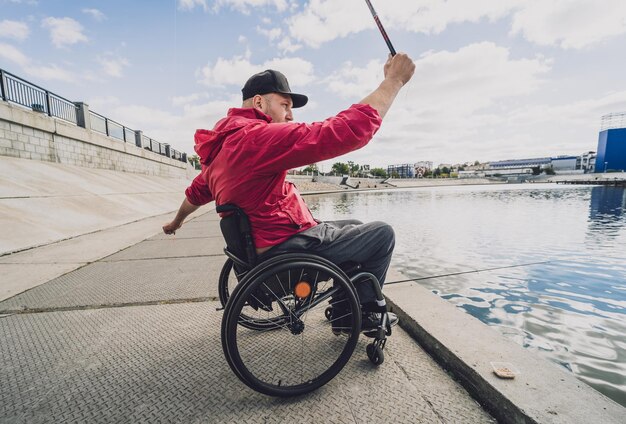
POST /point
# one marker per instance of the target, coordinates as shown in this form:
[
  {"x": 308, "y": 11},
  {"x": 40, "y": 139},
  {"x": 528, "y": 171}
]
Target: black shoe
[
  {"x": 371, "y": 320},
  {"x": 341, "y": 321}
]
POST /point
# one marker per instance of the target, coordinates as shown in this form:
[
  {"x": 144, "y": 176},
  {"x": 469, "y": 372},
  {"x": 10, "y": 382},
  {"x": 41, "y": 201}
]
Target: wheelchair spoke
[
  {"x": 306, "y": 312},
  {"x": 282, "y": 303}
]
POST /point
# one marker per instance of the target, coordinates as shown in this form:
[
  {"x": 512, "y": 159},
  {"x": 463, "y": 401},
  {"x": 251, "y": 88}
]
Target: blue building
[{"x": 611, "y": 154}]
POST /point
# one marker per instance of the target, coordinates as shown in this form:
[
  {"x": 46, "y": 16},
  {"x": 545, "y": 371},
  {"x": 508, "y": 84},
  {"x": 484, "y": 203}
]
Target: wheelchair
[{"x": 291, "y": 321}]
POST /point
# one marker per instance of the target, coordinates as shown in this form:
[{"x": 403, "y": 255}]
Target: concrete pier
[
  {"x": 118, "y": 324},
  {"x": 135, "y": 337}
]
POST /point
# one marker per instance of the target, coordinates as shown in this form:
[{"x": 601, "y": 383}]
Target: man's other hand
[{"x": 170, "y": 228}]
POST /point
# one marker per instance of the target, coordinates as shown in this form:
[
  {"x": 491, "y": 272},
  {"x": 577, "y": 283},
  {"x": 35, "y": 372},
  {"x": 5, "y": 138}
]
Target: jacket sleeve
[
  {"x": 198, "y": 192},
  {"x": 279, "y": 147}
]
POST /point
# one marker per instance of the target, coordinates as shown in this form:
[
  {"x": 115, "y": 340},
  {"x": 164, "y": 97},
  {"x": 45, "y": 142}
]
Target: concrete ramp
[{"x": 44, "y": 202}]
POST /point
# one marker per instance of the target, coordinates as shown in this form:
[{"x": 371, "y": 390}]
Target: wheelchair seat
[{"x": 237, "y": 234}]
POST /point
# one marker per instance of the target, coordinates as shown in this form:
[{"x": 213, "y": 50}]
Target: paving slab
[
  {"x": 169, "y": 248},
  {"x": 107, "y": 283},
  {"x": 47, "y": 262},
  {"x": 200, "y": 229},
  {"x": 164, "y": 363}
]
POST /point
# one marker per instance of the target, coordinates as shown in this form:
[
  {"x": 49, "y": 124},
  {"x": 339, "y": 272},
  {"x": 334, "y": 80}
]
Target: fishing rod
[
  {"x": 380, "y": 27},
  {"x": 466, "y": 272}
]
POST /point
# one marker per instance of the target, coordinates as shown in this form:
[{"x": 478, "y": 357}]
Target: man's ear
[{"x": 257, "y": 102}]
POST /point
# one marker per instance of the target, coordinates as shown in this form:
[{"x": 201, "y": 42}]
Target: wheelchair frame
[{"x": 243, "y": 308}]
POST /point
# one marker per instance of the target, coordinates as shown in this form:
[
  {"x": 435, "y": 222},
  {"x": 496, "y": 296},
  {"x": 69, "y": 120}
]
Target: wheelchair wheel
[{"x": 303, "y": 350}]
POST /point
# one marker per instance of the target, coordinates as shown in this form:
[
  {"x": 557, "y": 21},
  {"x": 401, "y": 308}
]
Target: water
[{"x": 551, "y": 263}]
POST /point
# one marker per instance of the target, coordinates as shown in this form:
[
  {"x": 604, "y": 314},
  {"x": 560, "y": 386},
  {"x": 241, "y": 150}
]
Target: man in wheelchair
[{"x": 245, "y": 159}]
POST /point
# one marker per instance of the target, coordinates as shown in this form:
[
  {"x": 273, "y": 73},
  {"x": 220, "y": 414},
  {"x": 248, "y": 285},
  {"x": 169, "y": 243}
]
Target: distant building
[
  {"x": 474, "y": 173},
  {"x": 405, "y": 170},
  {"x": 426, "y": 164},
  {"x": 521, "y": 163},
  {"x": 564, "y": 163},
  {"x": 611, "y": 154},
  {"x": 586, "y": 162},
  {"x": 476, "y": 166},
  {"x": 422, "y": 168}
]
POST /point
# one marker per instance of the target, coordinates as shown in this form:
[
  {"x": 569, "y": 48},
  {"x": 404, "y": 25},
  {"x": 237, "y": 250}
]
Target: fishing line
[
  {"x": 176, "y": 46},
  {"x": 466, "y": 272}
]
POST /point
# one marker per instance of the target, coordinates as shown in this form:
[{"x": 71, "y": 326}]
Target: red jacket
[{"x": 245, "y": 160}]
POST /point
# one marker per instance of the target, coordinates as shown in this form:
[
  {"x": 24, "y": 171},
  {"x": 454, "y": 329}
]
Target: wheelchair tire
[
  {"x": 375, "y": 354},
  {"x": 304, "y": 350},
  {"x": 227, "y": 282}
]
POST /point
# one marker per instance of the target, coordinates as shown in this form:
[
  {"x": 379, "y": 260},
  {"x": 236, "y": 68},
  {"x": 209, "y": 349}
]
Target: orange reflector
[{"x": 302, "y": 289}]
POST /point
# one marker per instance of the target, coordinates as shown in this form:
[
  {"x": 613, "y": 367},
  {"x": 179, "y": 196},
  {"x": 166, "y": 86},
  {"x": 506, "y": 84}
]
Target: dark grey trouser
[{"x": 369, "y": 244}]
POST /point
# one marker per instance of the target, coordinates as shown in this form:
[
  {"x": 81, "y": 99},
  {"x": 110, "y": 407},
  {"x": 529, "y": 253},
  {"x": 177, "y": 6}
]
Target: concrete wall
[{"x": 31, "y": 135}]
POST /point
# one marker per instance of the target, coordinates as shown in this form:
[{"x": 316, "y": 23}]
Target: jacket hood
[{"x": 209, "y": 142}]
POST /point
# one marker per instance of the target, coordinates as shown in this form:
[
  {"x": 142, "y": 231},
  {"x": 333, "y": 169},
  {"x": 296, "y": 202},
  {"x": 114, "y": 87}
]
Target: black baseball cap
[{"x": 270, "y": 81}]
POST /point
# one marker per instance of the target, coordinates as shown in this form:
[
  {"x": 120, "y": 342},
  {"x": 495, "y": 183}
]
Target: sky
[{"x": 494, "y": 79}]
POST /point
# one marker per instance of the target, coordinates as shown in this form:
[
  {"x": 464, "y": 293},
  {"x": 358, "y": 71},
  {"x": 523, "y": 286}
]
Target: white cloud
[
  {"x": 12, "y": 54},
  {"x": 570, "y": 24},
  {"x": 287, "y": 46},
  {"x": 340, "y": 19},
  {"x": 113, "y": 65},
  {"x": 244, "y": 6},
  {"x": 455, "y": 100},
  {"x": 96, "y": 14},
  {"x": 48, "y": 72},
  {"x": 434, "y": 16},
  {"x": 479, "y": 73},
  {"x": 565, "y": 23},
  {"x": 51, "y": 72},
  {"x": 237, "y": 70},
  {"x": 324, "y": 20},
  {"x": 272, "y": 34},
  {"x": 189, "y": 99},
  {"x": 14, "y": 29},
  {"x": 191, "y": 4},
  {"x": 64, "y": 31},
  {"x": 354, "y": 83}
]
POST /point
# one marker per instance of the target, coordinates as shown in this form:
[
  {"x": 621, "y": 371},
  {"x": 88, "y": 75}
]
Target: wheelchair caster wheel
[
  {"x": 375, "y": 354},
  {"x": 328, "y": 312}
]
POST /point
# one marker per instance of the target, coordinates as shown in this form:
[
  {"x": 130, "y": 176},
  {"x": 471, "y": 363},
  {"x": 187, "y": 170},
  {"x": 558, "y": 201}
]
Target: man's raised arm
[{"x": 398, "y": 71}]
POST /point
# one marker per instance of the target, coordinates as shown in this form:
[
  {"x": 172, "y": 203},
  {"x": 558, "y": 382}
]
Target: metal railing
[
  {"x": 21, "y": 92},
  {"x": 107, "y": 126}
]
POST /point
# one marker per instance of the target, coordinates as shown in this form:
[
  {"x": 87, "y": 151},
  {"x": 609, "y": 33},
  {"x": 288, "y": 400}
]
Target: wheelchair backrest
[{"x": 237, "y": 233}]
